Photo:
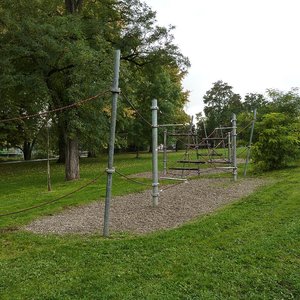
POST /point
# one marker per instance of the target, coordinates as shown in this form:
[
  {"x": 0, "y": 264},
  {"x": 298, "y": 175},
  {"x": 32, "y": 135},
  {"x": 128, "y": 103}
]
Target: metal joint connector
[
  {"x": 115, "y": 90},
  {"x": 154, "y": 107},
  {"x": 155, "y": 184},
  {"x": 110, "y": 171}
]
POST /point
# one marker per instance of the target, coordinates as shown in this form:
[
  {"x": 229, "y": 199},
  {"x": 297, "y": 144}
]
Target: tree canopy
[{"x": 56, "y": 53}]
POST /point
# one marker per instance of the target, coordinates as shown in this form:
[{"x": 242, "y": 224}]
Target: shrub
[{"x": 278, "y": 142}]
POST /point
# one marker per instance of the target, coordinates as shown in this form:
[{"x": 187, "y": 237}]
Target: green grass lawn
[{"x": 247, "y": 250}]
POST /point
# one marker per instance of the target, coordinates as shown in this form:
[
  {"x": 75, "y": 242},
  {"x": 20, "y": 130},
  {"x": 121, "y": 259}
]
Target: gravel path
[{"x": 134, "y": 213}]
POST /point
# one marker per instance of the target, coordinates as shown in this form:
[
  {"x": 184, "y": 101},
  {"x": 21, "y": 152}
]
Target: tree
[
  {"x": 164, "y": 84},
  {"x": 220, "y": 102},
  {"x": 278, "y": 141},
  {"x": 284, "y": 102},
  {"x": 55, "y": 57},
  {"x": 65, "y": 49},
  {"x": 255, "y": 101}
]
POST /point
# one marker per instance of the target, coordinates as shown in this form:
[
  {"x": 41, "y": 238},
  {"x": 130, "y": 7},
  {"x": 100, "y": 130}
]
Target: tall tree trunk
[
  {"x": 27, "y": 150},
  {"x": 73, "y": 5},
  {"x": 72, "y": 159},
  {"x": 92, "y": 154},
  {"x": 137, "y": 152}
]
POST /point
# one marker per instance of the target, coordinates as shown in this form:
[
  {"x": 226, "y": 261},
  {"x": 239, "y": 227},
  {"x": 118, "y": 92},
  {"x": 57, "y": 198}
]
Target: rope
[
  {"x": 130, "y": 179},
  {"x": 244, "y": 150},
  {"x": 78, "y": 103},
  {"x": 51, "y": 201},
  {"x": 244, "y": 128},
  {"x": 133, "y": 107},
  {"x": 171, "y": 186}
]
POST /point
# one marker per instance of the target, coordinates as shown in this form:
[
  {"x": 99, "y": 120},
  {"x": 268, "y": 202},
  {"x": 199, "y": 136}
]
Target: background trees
[
  {"x": 220, "y": 102},
  {"x": 278, "y": 141},
  {"x": 277, "y": 131},
  {"x": 56, "y": 53}
]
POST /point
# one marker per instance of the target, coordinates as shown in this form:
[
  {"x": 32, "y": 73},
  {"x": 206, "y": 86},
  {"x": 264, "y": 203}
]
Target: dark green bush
[{"x": 278, "y": 142}]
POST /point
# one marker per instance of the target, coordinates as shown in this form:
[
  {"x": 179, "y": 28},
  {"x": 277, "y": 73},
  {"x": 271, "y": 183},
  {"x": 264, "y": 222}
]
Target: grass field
[{"x": 247, "y": 250}]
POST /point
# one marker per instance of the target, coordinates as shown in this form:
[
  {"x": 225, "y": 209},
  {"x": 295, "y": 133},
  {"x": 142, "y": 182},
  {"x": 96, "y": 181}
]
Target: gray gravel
[{"x": 134, "y": 213}]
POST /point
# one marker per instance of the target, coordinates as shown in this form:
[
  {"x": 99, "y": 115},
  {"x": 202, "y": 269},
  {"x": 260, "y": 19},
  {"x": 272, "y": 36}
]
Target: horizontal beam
[
  {"x": 172, "y": 178},
  {"x": 183, "y": 168},
  {"x": 216, "y": 138},
  {"x": 199, "y": 145},
  {"x": 181, "y": 134},
  {"x": 191, "y": 161},
  {"x": 225, "y": 168},
  {"x": 218, "y": 161},
  {"x": 209, "y": 154},
  {"x": 224, "y": 128},
  {"x": 170, "y": 125}
]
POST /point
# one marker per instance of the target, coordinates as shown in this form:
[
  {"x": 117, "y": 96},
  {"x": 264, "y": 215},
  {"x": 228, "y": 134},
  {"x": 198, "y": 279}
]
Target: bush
[{"x": 278, "y": 142}]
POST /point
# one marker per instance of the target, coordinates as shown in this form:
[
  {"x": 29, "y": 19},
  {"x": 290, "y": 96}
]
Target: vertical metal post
[
  {"x": 155, "y": 183},
  {"x": 229, "y": 147},
  {"x": 234, "y": 162},
  {"x": 197, "y": 149},
  {"x": 110, "y": 169},
  {"x": 48, "y": 158},
  {"x": 250, "y": 142},
  {"x": 223, "y": 141},
  {"x": 165, "y": 152}
]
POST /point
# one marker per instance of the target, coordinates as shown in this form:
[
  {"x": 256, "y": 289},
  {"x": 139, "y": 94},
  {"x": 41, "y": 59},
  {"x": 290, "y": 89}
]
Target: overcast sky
[{"x": 250, "y": 44}]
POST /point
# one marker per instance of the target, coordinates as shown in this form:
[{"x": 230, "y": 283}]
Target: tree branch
[{"x": 56, "y": 70}]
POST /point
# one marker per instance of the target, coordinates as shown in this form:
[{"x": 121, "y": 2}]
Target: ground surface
[{"x": 135, "y": 213}]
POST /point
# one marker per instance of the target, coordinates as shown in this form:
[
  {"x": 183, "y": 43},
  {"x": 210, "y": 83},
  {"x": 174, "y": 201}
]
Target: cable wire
[
  {"x": 173, "y": 185},
  {"x": 245, "y": 128},
  {"x": 133, "y": 107},
  {"x": 76, "y": 104},
  {"x": 51, "y": 201},
  {"x": 130, "y": 179}
]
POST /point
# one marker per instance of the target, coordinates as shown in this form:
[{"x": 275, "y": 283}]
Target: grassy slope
[
  {"x": 248, "y": 250},
  {"x": 24, "y": 185}
]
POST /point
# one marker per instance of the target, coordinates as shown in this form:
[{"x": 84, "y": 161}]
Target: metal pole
[
  {"x": 229, "y": 147},
  {"x": 110, "y": 169},
  {"x": 155, "y": 183},
  {"x": 48, "y": 159},
  {"x": 205, "y": 132},
  {"x": 165, "y": 152},
  {"x": 250, "y": 142},
  {"x": 234, "y": 147}
]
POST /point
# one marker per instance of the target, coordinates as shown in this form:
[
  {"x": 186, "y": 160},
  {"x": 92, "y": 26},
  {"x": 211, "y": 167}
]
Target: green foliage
[
  {"x": 220, "y": 102},
  {"x": 287, "y": 103},
  {"x": 278, "y": 141},
  {"x": 164, "y": 84},
  {"x": 58, "y": 52},
  {"x": 253, "y": 100},
  {"x": 52, "y": 59}
]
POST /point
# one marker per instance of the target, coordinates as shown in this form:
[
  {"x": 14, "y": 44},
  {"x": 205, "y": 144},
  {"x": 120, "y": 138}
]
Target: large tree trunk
[
  {"x": 92, "y": 154},
  {"x": 73, "y": 5},
  {"x": 27, "y": 150},
  {"x": 72, "y": 159},
  {"x": 137, "y": 155}
]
